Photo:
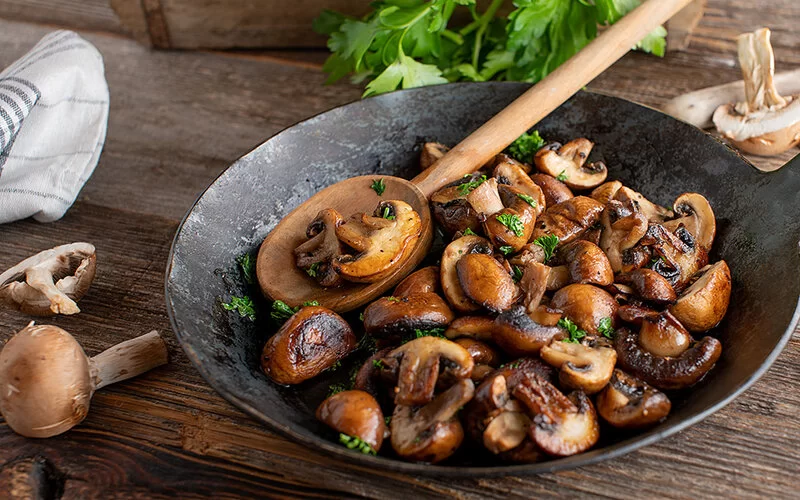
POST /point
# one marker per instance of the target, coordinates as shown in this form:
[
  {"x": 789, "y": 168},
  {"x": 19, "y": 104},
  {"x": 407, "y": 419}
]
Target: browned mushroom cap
[
  {"x": 433, "y": 432},
  {"x": 486, "y": 283},
  {"x": 629, "y": 403},
  {"x": 697, "y": 217},
  {"x": 635, "y": 313},
  {"x": 452, "y": 211},
  {"x": 553, "y": 189},
  {"x": 681, "y": 256},
  {"x": 640, "y": 204},
  {"x": 586, "y": 305},
  {"x": 663, "y": 335},
  {"x": 518, "y": 335},
  {"x": 425, "y": 280},
  {"x": 622, "y": 230},
  {"x": 586, "y": 366},
  {"x": 449, "y": 274},
  {"x": 321, "y": 248},
  {"x": 382, "y": 241},
  {"x": 431, "y": 153},
  {"x": 509, "y": 171},
  {"x": 605, "y": 192},
  {"x": 511, "y": 226},
  {"x": 313, "y": 339},
  {"x": 51, "y": 281},
  {"x": 476, "y": 327},
  {"x": 587, "y": 263},
  {"x": 563, "y": 425},
  {"x": 703, "y": 305},
  {"x": 569, "y": 162},
  {"x": 394, "y": 316},
  {"x": 355, "y": 413},
  {"x": 535, "y": 277},
  {"x": 650, "y": 286},
  {"x": 417, "y": 365},
  {"x": 569, "y": 219},
  {"x": 666, "y": 372},
  {"x": 481, "y": 352}
]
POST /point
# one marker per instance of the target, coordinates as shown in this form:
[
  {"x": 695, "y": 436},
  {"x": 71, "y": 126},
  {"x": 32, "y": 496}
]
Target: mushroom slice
[
  {"x": 355, "y": 413},
  {"x": 395, "y": 316},
  {"x": 586, "y": 366},
  {"x": 640, "y": 204},
  {"x": 586, "y": 305},
  {"x": 484, "y": 356},
  {"x": 629, "y": 403},
  {"x": 382, "y": 241},
  {"x": 635, "y": 313},
  {"x": 650, "y": 286},
  {"x": 568, "y": 220},
  {"x": 696, "y": 216},
  {"x": 518, "y": 335},
  {"x": 563, "y": 425},
  {"x": 766, "y": 123},
  {"x": 681, "y": 256},
  {"x": 449, "y": 274},
  {"x": 512, "y": 226},
  {"x": 485, "y": 199},
  {"x": 486, "y": 282},
  {"x": 587, "y": 263},
  {"x": 553, "y": 189},
  {"x": 452, "y": 211},
  {"x": 312, "y": 340},
  {"x": 534, "y": 283},
  {"x": 605, "y": 192},
  {"x": 51, "y": 281},
  {"x": 569, "y": 163},
  {"x": 425, "y": 280},
  {"x": 419, "y": 364},
  {"x": 622, "y": 230},
  {"x": 663, "y": 335},
  {"x": 666, "y": 373},
  {"x": 431, "y": 433},
  {"x": 510, "y": 172},
  {"x": 368, "y": 376},
  {"x": 703, "y": 305},
  {"x": 322, "y": 248},
  {"x": 475, "y": 327},
  {"x": 431, "y": 153}
]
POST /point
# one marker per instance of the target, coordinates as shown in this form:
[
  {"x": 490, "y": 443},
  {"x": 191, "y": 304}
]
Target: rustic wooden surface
[{"x": 177, "y": 120}]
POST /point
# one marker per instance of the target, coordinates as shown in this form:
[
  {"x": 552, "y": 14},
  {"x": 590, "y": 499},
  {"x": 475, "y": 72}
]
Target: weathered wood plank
[{"x": 95, "y": 15}]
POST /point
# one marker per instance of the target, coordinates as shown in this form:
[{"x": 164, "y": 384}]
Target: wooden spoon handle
[{"x": 536, "y": 103}]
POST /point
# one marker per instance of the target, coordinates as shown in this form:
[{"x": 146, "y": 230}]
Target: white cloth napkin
[{"x": 53, "y": 119}]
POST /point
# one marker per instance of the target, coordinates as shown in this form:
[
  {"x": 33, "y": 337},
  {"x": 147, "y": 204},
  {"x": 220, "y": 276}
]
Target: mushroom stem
[
  {"x": 758, "y": 65},
  {"x": 128, "y": 359}
]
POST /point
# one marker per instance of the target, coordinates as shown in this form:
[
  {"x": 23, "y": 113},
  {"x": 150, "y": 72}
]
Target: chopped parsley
[
  {"x": 506, "y": 249},
  {"x": 387, "y": 420},
  {"x": 605, "y": 328},
  {"x": 247, "y": 265},
  {"x": 361, "y": 316},
  {"x": 378, "y": 186},
  {"x": 528, "y": 199},
  {"x": 309, "y": 303},
  {"x": 512, "y": 222},
  {"x": 367, "y": 343},
  {"x": 336, "y": 389},
  {"x": 467, "y": 187},
  {"x": 386, "y": 214},
  {"x": 377, "y": 363},
  {"x": 575, "y": 333},
  {"x": 517, "y": 273},
  {"x": 312, "y": 271},
  {"x": 469, "y": 232},
  {"x": 562, "y": 176},
  {"x": 281, "y": 311},
  {"x": 356, "y": 444},
  {"x": 243, "y": 305},
  {"x": 430, "y": 332},
  {"x": 526, "y": 146},
  {"x": 335, "y": 366},
  {"x": 392, "y": 299},
  {"x": 515, "y": 364},
  {"x": 548, "y": 244}
]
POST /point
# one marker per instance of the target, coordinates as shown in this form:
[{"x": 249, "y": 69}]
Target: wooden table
[{"x": 177, "y": 120}]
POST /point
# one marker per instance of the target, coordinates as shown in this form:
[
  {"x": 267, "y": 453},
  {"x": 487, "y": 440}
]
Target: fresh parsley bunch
[{"x": 413, "y": 43}]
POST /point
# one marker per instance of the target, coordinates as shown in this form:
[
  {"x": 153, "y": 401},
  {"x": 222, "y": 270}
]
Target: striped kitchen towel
[{"x": 53, "y": 119}]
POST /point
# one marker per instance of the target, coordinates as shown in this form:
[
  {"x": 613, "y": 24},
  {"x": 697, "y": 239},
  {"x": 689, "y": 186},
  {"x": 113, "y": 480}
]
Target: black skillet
[{"x": 758, "y": 221}]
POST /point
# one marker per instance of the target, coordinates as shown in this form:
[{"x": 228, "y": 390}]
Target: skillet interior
[{"x": 758, "y": 220}]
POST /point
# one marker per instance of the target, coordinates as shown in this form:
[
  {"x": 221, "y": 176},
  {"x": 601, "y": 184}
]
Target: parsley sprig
[
  {"x": 512, "y": 222},
  {"x": 468, "y": 187},
  {"x": 528, "y": 199},
  {"x": 247, "y": 265},
  {"x": 379, "y": 186},
  {"x": 281, "y": 311},
  {"x": 526, "y": 146},
  {"x": 548, "y": 244},
  {"x": 355, "y": 443},
  {"x": 242, "y": 305},
  {"x": 605, "y": 328},
  {"x": 575, "y": 333}
]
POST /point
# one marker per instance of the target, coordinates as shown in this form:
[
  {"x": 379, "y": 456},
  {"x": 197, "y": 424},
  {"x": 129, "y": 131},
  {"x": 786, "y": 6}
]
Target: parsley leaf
[
  {"x": 242, "y": 305},
  {"x": 528, "y": 199},
  {"x": 525, "y": 147},
  {"x": 512, "y": 222},
  {"x": 312, "y": 271},
  {"x": 468, "y": 232},
  {"x": 605, "y": 328},
  {"x": 562, "y": 176},
  {"x": 377, "y": 363},
  {"x": 356, "y": 444},
  {"x": 467, "y": 187},
  {"x": 506, "y": 249},
  {"x": 336, "y": 389},
  {"x": 379, "y": 186},
  {"x": 431, "y": 332},
  {"x": 575, "y": 333},
  {"x": 247, "y": 265},
  {"x": 548, "y": 244},
  {"x": 517, "y": 273},
  {"x": 281, "y": 311}
]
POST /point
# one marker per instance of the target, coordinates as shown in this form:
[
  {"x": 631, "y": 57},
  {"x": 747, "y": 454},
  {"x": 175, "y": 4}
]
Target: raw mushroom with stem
[
  {"x": 50, "y": 282},
  {"x": 47, "y": 381},
  {"x": 765, "y": 123}
]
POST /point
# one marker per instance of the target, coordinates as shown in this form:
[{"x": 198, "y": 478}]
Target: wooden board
[{"x": 177, "y": 120}]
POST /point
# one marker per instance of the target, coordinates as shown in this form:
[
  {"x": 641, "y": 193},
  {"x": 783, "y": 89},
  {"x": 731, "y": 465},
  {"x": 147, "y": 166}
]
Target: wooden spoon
[{"x": 278, "y": 276}]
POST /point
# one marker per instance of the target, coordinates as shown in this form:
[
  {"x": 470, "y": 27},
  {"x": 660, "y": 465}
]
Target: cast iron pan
[{"x": 758, "y": 221}]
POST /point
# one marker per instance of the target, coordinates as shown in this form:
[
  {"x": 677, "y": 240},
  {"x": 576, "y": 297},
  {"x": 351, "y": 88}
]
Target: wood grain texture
[{"x": 177, "y": 120}]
